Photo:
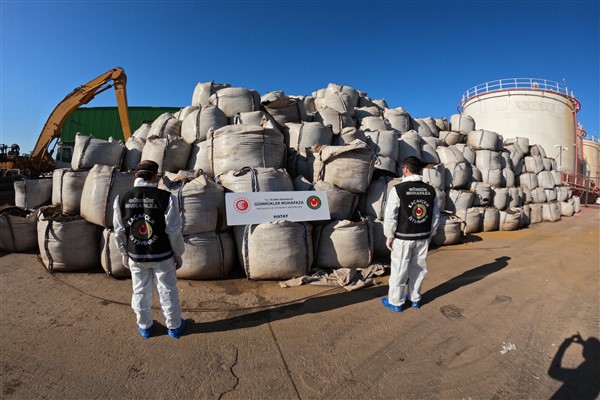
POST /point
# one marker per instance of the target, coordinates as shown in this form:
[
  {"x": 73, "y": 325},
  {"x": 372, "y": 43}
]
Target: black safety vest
[
  {"x": 143, "y": 214},
  {"x": 415, "y": 214}
]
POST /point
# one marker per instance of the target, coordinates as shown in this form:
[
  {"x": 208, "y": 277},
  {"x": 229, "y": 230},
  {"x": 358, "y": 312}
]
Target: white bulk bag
[
  {"x": 520, "y": 143},
  {"x": 373, "y": 202},
  {"x": 457, "y": 175},
  {"x": 484, "y": 194},
  {"x": 557, "y": 178},
  {"x": 67, "y": 187},
  {"x": 344, "y": 244},
  {"x": 336, "y": 120},
  {"x": 476, "y": 175},
  {"x": 525, "y": 216},
  {"x": 537, "y": 150},
  {"x": 110, "y": 257},
  {"x": 67, "y": 243},
  {"x": 471, "y": 218},
  {"x": 506, "y": 160},
  {"x": 32, "y": 193},
  {"x": 429, "y": 154},
  {"x": 133, "y": 153},
  {"x": 492, "y": 177},
  {"x": 551, "y": 211},
  {"x": 185, "y": 111},
  {"x": 208, "y": 255},
  {"x": 275, "y": 250},
  {"x": 165, "y": 125},
  {"x": 442, "y": 124},
  {"x": 516, "y": 197},
  {"x": 18, "y": 230},
  {"x": 341, "y": 102},
  {"x": 363, "y": 112},
  {"x": 373, "y": 124},
  {"x": 102, "y": 185},
  {"x": 409, "y": 146},
  {"x": 545, "y": 180},
  {"x": 349, "y": 167},
  {"x": 89, "y": 151},
  {"x": 567, "y": 208},
  {"x": 348, "y": 135},
  {"x": 201, "y": 203},
  {"x": 487, "y": 159},
  {"x": 449, "y": 230},
  {"x": 483, "y": 140},
  {"x": 234, "y": 147},
  {"x": 490, "y": 219},
  {"x": 441, "y": 196},
  {"x": 298, "y": 164},
  {"x": 171, "y": 153},
  {"x": 452, "y": 137},
  {"x": 459, "y": 200},
  {"x": 380, "y": 250},
  {"x": 383, "y": 143},
  {"x": 203, "y": 91},
  {"x": 435, "y": 175},
  {"x": 347, "y": 90},
  {"x": 536, "y": 214},
  {"x": 538, "y": 195},
  {"x": 308, "y": 102},
  {"x": 142, "y": 132},
  {"x": 199, "y": 160},
  {"x": 508, "y": 178},
  {"x": 421, "y": 127},
  {"x": 257, "y": 180},
  {"x": 510, "y": 219},
  {"x": 547, "y": 164},
  {"x": 342, "y": 203},
  {"x": 450, "y": 155},
  {"x": 550, "y": 194},
  {"x": 501, "y": 198},
  {"x": 576, "y": 204},
  {"x": 562, "y": 192},
  {"x": 528, "y": 180},
  {"x": 233, "y": 100},
  {"x": 286, "y": 110},
  {"x": 397, "y": 118},
  {"x": 462, "y": 123},
  {"x": 534, "y": 164},
  {"x": 307, "y": 134},
  {"x": 196, "y": 126}
]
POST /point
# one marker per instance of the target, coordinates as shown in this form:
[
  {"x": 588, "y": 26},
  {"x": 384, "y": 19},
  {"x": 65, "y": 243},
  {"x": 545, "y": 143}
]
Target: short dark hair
[
  {"x": 146, "y": 169},
  {"x": 413, "y": 164}
]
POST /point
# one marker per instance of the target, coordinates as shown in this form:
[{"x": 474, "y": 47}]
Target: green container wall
[{"x": 104, "y": 122}]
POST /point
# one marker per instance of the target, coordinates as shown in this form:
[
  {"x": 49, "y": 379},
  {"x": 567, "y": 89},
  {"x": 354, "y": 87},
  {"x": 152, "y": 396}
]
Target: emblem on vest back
[{"x": 418, "y": 210}]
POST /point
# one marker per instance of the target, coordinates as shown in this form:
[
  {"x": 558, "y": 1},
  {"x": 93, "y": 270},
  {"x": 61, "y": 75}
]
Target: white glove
[
  {"x": 125, "y": 261},
  {"x": 178, "y": 261}
]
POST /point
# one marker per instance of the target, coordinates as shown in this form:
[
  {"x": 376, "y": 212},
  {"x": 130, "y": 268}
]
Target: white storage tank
[
  {"x": 541, "y": 110},
  {"x": 591, "y": 156}
]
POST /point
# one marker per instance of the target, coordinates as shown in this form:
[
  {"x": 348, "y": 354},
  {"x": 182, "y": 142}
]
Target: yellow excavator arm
[{"x": 82, "y": 95}]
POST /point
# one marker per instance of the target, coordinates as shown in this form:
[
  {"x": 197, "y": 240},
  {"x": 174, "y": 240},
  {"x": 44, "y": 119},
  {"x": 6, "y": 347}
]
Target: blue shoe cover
[
  {"x": 145, "y": 332},
  {"x": 415, "y": 304},
  {"x": 176, "y": 333},
  {"x": 387, "y": 304}
]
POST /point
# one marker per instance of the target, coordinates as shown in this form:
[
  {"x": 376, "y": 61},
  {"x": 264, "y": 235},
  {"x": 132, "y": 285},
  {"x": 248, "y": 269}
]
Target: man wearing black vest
[
  {"x": 149, "y": 237},
  {"x": 411, "y": 219}
]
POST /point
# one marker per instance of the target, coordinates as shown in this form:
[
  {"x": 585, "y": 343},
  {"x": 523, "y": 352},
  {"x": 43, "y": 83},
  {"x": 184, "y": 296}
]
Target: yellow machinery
[{"x": 40, "y": 160}]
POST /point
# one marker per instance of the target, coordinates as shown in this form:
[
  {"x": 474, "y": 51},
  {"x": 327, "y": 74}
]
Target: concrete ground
[{"x": 500, "y": 320}]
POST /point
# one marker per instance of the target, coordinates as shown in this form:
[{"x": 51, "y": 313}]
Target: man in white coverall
[
  {"x": 411, "y": 219},
  {"x": 149, "y": 237}
]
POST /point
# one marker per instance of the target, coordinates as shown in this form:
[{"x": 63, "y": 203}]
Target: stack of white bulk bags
[
  {"x": 67, "y": 243},
  {"x": 89, "y": 151},
  {"x": 18, "y": 228}
]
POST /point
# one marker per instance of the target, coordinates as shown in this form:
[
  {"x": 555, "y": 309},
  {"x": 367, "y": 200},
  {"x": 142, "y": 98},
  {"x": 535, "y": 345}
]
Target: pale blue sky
[{"x": 420, "y": 55}]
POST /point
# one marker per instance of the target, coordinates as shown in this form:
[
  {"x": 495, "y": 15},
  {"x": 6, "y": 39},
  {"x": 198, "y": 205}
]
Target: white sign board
[{"x": 259, "y": 207}]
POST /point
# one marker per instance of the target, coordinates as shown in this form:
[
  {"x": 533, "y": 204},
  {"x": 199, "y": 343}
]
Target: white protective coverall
[
  {"x": 409, "y": 257},
  {"x": 144, "y": 274}
]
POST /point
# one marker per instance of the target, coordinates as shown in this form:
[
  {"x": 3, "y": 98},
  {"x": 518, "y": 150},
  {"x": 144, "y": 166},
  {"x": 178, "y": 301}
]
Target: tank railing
[{"x": 516, "y": 83}]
